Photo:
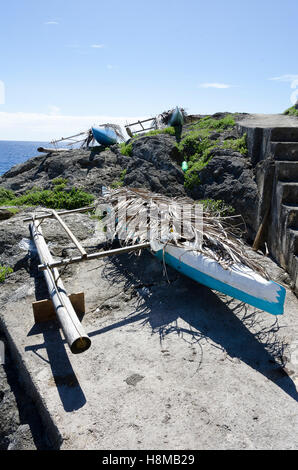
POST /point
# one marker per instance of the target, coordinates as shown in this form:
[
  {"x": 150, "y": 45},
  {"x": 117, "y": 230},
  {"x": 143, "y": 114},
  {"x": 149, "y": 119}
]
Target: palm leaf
[{"x": 140, "y": 215}]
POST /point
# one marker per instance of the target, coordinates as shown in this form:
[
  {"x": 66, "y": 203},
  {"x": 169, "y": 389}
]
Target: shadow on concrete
[
  {"x": 64, "y": 378},
  {"x": 242, "y": 333}
]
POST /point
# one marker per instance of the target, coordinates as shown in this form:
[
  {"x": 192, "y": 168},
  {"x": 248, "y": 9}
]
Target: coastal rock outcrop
[
  {"x": 153, "y": 162},
  {"x": 231, "y": 179},
  {"x": 153, "y": 165}
]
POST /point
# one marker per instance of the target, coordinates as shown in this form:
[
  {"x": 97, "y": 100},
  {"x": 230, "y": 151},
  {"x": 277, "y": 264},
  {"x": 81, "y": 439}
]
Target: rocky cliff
[{"x": 218, "y": 167}]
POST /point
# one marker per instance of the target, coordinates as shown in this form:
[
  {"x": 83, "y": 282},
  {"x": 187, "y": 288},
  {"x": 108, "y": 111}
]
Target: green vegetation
[
  {"x": 167, "y": 130},
  {"x": 13, "y": 210},
  {"x": 4, "y": 272},
  {"x": 214, "y": 124},
  {"x": 119, "y": 183},
  {"x": 237, "y": 145},
  {"x": 59, "y": 180},
  {"x": 191, "y": 177},
  {"x": 126, "y": 149},
  {"x": 196, "y": 146},
  {"x": 59, "y": 184},
  {"x": 291, "y": 111},
  {"x": 6, "y": 195},
  {"x": 55, "y": 199},
  {"x": 217, "y": 207}
]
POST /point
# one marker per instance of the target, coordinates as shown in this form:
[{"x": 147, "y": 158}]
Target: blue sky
[{"x": 65, "y": 64}]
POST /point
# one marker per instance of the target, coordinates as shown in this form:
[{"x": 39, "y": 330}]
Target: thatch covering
[{"x": 140, "y": 216}]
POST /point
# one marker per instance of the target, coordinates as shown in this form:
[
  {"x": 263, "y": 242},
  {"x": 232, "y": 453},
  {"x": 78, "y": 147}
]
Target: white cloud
[
  {"x": 111, "y": 67},
  {"x": 2, "y": 92},
  {"x": 285, "y": 78},
  {"x": 215, "y": 85},
  {"x": 97, "y": 46},
  {"x": 46, "y": 127},
  {"x": 51, "y": 22}
]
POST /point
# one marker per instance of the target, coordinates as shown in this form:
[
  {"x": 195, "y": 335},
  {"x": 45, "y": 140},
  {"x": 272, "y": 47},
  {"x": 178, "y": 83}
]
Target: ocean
[{"x": 13, "y": 152}]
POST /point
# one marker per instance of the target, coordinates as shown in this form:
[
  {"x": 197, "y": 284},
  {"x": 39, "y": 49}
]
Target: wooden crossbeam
[
  {"x": 135, "y": 123},
  {"x": 100, "y": 254},
  {"x": 70, "y": 234},
  {"x": 142, "y": 130},
  {"x": 50, "y": 215}
]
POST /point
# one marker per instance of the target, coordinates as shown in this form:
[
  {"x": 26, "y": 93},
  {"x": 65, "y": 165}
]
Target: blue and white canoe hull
[
  {"x": 176, "y": 118},
  {"x": 104, "y": 136},
  {"x": 238, "y": 281}
]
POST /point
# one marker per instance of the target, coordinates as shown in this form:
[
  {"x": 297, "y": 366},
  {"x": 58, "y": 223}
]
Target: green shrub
[
  {"x": 59, "y": 180},
  {"x": 192, "y": 177},
  {"x": 126, "y": 149},
  {"x": 237, "y": 145},
  {"x": 4, "y": 272},
  {"x": 6, "y": 195},
  {"x": 169, "y": 130},
  {"x": 55, "y": 199},
  {"x": 214, "y": 124},
  {"x": 122, "y": 174},
  {"x": 291, "y": 111},
  {"x": 119, "y": 183},
  {"x": 217, "y": 207}
]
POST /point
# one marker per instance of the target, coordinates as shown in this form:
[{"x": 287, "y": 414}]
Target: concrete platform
[
  {"x": 269, "y": 121},
  {"x": 171, "y": 366}
]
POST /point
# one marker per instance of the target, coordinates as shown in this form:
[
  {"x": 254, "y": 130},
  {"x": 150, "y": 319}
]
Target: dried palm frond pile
[{"x": 139, "y": 216}]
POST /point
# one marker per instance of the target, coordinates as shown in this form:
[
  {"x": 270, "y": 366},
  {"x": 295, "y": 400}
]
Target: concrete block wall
[{"x": 274, "y": 155}]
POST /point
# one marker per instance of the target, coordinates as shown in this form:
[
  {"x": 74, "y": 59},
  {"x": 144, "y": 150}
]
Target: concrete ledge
[{"x": 27, "y": 379}]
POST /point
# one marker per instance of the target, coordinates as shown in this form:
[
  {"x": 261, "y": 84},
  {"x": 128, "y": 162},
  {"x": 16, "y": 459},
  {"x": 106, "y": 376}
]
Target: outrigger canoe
[
  {"x": 176, "y": 118},
  {"x": 237, "y": 281},
  {"x": 104, "y": 136}
]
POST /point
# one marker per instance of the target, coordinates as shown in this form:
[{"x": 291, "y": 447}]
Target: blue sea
[{"x": 13, "y": 152}]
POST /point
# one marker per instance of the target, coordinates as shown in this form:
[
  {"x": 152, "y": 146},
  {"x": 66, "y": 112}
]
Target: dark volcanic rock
[
  {"x": 5, "y": 214},
  {"x": 82, "y": 168},
  {"x": 154, "y": 164},
  {"x": 230, "y": 179}
]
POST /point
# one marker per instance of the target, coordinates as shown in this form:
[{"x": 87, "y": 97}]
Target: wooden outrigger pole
[
  {"x": 54, "y": 142},
  {"x": 140, "y": 123},
  {"x": 74, "y": 333},
  {"x": 73, "y": 330}
]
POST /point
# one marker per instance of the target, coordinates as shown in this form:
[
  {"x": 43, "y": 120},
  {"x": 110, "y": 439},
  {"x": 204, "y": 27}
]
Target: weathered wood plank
[{"x": 70, "y": 234}]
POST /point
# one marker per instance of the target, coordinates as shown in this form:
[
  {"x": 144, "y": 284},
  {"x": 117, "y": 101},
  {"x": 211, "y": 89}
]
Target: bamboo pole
[
  {"x": 144, "y": 120},
  {"x": 74, "y": 333},
  {"x": 260, "y": 234},
  {"x": 48, "y": 216},
  {"x": 67, "y": 138},
  {"x": 100, "y": 254},
  {"x": 50, "y": 150},
  {"x": 70, "y": 234}
]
